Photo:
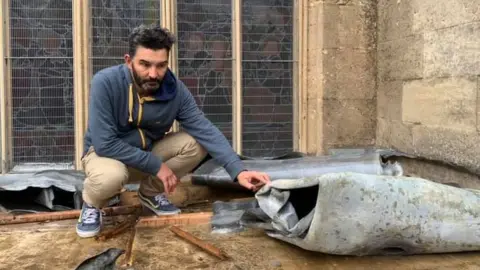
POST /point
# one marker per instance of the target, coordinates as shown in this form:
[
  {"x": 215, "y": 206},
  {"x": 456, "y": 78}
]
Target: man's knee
[
  {"x": 105, "y": 178},
  {"x": 179, "y": 144},
  {"x": 192, "y": 146}
]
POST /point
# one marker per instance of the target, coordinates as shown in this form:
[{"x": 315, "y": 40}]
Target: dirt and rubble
[{"x": 55, "y": 245}]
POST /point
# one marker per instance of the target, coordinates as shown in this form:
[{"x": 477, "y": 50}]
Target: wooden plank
[
  {"x": 172, "y": 12},
  {"x": 163, "y": 13},
  {"x": 314, "y": 86},
  {"x": 180, "y": 219},
  {"x": 237, "y": 102},
  {"x": 78, "y": 82},
  {"x": 200, "y": 243},
  {"x": 62, "y": 215},
  {"x": 86, "y": 53},
  {"x": 172, "y": 26},
  {"x": 5, "y": 90}
]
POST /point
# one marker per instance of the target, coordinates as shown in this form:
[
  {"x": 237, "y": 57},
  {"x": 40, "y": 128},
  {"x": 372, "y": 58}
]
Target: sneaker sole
[
  {"x": 159, "y": 213},
  {"x": 88, "y": 234}
]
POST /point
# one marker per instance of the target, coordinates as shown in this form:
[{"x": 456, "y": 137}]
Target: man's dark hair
[{"x": 151, "y": 37}]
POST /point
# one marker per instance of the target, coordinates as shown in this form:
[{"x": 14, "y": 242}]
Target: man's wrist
[
  {"x": 235, "y": 180},
  {"x": 234, "y": 169}
]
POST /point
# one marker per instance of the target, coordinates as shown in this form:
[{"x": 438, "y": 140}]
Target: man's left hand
[{"x": 253, "y": 180}]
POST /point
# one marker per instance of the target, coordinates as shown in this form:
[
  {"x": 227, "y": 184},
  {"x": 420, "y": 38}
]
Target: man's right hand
[{"x": 168, "y": 178}]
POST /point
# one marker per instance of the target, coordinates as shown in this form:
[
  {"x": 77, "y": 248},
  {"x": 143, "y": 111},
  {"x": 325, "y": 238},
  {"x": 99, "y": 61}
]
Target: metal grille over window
[
  {"x": 205, "y": 57},
  {"x": 112, "y": 22},
  {"x": 267, "y": 27},
  {"x": 42, "y": 81}
]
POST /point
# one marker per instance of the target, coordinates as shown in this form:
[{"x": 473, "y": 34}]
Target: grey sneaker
[
  {"x": 159, "y": 204},
  {"x": 90, "y": 221}
]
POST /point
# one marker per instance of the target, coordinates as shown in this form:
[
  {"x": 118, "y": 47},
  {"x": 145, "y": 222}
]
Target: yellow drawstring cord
[{"x": 130, "y": 104}]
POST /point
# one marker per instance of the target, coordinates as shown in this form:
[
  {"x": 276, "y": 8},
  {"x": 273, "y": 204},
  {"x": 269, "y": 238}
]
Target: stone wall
[
  {"x": 341, "y": 96},
  {"x": 428, "y": 90}
]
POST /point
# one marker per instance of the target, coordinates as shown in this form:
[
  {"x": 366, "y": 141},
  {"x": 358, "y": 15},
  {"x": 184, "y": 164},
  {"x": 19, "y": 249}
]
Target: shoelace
[
  {"x": 161, "y": 199},
  {"x": 90, "y": 215}
]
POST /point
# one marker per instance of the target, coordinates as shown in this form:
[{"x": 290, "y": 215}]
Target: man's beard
[{"x": 147, "y": 86}]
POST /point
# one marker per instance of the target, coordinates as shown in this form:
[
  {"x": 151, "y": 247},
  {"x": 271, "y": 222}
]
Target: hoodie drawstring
[{"x": 130, "y": 104}]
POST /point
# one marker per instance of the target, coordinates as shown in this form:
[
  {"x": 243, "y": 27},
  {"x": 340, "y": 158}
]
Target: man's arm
[
  {"x": 104, "y": 132},
  {"x": 209, "y": 136}
]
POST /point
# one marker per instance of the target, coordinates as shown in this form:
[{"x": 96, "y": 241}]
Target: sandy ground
[{"x": 56, "y": 246}]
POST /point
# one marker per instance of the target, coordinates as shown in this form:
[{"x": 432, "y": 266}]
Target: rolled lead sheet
[
  {"x": 297, "y": 166},
  {"x": 364, "y": 214}
]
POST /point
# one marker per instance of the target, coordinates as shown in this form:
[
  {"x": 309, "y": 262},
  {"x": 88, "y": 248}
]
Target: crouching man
[{"x": 131, "y": 107}]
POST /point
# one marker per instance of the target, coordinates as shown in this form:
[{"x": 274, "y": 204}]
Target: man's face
[{"x": 148, "y": 68}]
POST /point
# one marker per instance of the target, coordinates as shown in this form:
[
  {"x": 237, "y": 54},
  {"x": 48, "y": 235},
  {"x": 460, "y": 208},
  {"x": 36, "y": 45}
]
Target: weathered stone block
[
  {"x": 394, "y": 134},
  {"x": 443, "y": 102},
  {"x": 347, "y": 2},
  {"x": 314, "y": 63},
  {"x": 349, "y": 74},
  {"x": 401, "y": 59},
  {"x": 395, "y": 19},
  {"x": 315, "y": 82},
  {"x": 315, "y": 27},
  {"x": 478, "y": 104},
  {"x": 438, "y": 14},
  {"x": 453, "y": 146},
  {"x": 389, "y": 100},
  {"x": 349, "y": 122},
  {"x": 350, "y": 26},
  {"x": 453, "y": 51},
  {"x": 439, "y": 173}
]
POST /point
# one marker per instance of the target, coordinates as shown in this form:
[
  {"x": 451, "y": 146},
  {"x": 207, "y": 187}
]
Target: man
[{"x": 131, "y": 108}]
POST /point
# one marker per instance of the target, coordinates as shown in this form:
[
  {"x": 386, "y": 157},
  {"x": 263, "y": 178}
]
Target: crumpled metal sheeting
[
  {"x": 68, "y": 180},
  {"x": 297, "y": 166},
  {"x": 361, "y": 214},
  {"x": 227, "y": 216}
]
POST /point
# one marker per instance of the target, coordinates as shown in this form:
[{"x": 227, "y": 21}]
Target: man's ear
[{"x": 128, "y": 60}]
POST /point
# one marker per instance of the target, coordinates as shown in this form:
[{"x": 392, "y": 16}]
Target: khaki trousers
[{"x": 105, "y": 177}]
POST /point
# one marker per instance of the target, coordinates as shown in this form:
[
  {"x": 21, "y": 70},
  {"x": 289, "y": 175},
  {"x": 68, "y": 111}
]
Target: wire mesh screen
[
  {"x": 42, "y": 81},
  {"x": 205, "y": 58},
  {"x": 112, "y": 21},
  {"x": 267, "y": 27}
]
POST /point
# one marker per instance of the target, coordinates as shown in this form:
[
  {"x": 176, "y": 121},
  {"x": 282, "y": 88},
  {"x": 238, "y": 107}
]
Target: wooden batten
[
  {"x": 237, "y": 102},
  {"x": 5, "y": 89},
  {"x": 82, "y": 71},
  {"x": 171, "y": 12},
  {"x": 78, "y": 81},
  {"x": 86, "y": 53},
  {"x": 181, "y": 219},
  {"x": 171, "y": 15}
]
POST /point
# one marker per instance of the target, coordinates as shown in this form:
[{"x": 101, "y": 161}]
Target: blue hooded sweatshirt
[{"x": 123, "y": 126}]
